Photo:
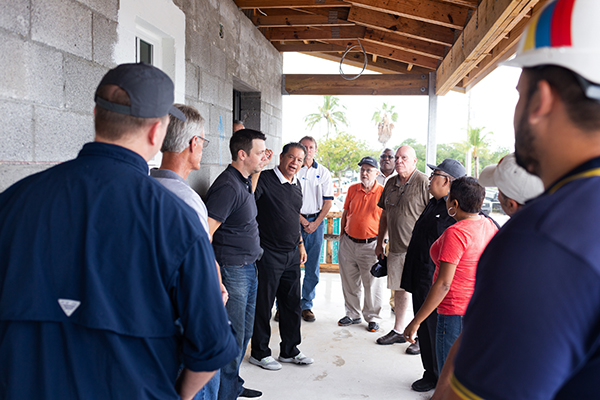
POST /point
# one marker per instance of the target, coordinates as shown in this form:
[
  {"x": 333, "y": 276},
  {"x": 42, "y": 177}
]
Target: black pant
[
  {"x": 278, "y": 275},
  {"x": 426, "y": 334}
]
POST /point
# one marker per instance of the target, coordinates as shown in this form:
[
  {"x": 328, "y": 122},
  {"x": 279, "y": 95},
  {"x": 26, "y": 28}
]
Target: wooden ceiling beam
[
  {"x": 391, "y": 53},
  {"x": 376, "y": 64},
  {"x": 246, "y": 4},
  {"x": 370, "y": 85},
  {"x": 312, "y": 46},
  {"x": 465, "y": 3},
  {"x": 402, "y": 26},
  {"x": 298, "y": 21},
  {"x": 308, "y": 33},
  {"x": 417, "y": 46},
  {"x": 431, "y": 11},
  {"x": 488, "y": 26}
]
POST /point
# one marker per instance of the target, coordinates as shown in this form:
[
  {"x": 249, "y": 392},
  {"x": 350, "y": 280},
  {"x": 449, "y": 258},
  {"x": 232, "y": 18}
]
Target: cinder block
[
  {"x": 31, "y": 72},
  {"x": 82, "y": 78},
  {"x": 59, "y": 135},
  {"x": 200, "y": 180},
  {"x": 15, "y": 16},
  {"x": 219, "y": 133},
  {"x": 104, "y": 40},
  {"x": 191, "y": 81},
  {"x": 12, "y": 173},
  {"x": 63, "y": 24},
  {"x": 108, "y": 8},
  {"x": 15, "y": 131},
  {"x": 197, "y": 47},
  {"x": 218, "y": 62},
  {"x": 209, "y": 88},
  {"x": 226, "y": 94}
]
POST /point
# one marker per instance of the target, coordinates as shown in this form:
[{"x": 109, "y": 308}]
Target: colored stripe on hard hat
[
  {"x": 542, "y": 30},
  {"x": 561, "y": 23}
]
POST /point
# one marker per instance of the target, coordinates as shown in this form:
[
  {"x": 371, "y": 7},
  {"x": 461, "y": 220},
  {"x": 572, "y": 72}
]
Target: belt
[
  {"x": 307, "y": 216},
  {"x": 368, "y": 240}
]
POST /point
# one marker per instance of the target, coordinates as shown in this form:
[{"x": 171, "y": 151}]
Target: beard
[{"x": 525, "y": 150}]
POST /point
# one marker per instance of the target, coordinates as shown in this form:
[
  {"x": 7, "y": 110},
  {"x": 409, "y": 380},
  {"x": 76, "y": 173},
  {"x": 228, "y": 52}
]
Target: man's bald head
[{"x": 406, "y": 161}]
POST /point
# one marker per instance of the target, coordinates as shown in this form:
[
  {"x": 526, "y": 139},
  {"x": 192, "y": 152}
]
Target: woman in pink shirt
[{"x": 455, "y": 255}]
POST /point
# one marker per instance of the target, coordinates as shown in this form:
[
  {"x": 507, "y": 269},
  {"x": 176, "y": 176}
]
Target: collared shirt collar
[
  {"x": 313, "y": 165},
  {"x": 283, "y": 179},
  {"x": 117, "y": 152},
  {"x": 397, "y": 183},
  {"x": 167, "y": 173},
  {"x": 247, "y": 181}
]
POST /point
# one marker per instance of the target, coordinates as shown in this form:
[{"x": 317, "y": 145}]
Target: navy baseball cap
[
  {"x": 450, "y": 166},
  {"x": 150, "y": 91},
  {"x": 368, "y": 160}
]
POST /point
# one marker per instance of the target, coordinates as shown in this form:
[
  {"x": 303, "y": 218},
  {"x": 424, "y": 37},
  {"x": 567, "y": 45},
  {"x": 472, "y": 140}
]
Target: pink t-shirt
[{"x": 461, "y": 244}]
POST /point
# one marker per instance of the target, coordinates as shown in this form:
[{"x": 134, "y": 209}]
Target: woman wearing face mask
[{"x": 455, "y": 255}]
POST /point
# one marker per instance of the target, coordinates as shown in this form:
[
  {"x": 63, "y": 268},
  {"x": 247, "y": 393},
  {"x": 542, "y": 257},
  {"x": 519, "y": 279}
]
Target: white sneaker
[
  {"x": 267, "y": 363},
  {"x": 300, "y": 359}
]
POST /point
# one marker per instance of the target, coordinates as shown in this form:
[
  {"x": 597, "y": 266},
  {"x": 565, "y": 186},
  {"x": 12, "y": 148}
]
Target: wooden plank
[
  {"x": 381, "y": 65},
  {"x": 308, "y": 33},
  {"x": 392, "y": 53},
  {"x": 402, "y": 26},
  {"x": 330, "y": 268},
  {"x": 245, "y": 4},
  {"x": 431, "y": 11},
  {"x": 282, "y": 21},
  {"x": 416, "y": 46},
  {"x": 385, "y": 85},
  {"x": 465, "y": 3},
  {"x": 489, "y": 25},
  {"x": 331, "y": 236},
  {"x": 311, "y": 46}
]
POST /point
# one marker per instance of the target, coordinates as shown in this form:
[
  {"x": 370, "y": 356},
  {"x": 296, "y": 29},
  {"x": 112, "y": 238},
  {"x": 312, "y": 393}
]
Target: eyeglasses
[
  {"x": 205, "y": 141},
  {"x": 385, "y": 157},
  {"x": 436, "y": 174}
]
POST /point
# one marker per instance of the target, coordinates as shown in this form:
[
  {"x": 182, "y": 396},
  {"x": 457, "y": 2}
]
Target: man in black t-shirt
[{"x": 278, "y": 200}]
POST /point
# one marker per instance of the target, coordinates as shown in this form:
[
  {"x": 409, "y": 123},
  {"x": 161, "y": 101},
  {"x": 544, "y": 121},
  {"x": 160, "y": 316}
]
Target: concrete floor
[{"x": 348, "y": 363}]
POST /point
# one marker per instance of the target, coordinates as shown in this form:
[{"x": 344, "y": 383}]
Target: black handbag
[{"x": 380, "y": 268}]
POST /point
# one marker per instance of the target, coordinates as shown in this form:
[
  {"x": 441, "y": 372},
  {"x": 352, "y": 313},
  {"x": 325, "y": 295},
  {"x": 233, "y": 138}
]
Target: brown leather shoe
[
  {"x": 391, "y": 338},
  {"x": 308, "y": 316}
]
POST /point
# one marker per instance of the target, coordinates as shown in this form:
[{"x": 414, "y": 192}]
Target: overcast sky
[{"x": 492, "y": 105}]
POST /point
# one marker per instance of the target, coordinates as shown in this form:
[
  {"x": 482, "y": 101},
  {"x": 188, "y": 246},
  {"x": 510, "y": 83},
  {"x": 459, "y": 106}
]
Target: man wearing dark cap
[
  {"x": 418, "y": 271},
  {"x": 107, "y": 279},
  {"x": 360, "y": 225}
]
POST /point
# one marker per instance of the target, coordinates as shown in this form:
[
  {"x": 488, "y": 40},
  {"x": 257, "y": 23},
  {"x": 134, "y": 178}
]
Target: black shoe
[
  {"x": 373, "y": 327},
  {"x": 391, "y": 338},
  {"x": 346, "y": 321},
  {"x": 414, "y": 348},
  {"x": 250, "y": 393},
  {"x": 423, "y": 385},
  {"x": 276, "y": 317}
]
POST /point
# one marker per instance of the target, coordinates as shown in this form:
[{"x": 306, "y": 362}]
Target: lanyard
[{"x": 581, "y": 175}]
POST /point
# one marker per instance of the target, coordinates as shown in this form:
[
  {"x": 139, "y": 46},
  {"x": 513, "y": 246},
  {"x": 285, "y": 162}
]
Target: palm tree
[
  {"x": 382, "y": 118},
  {"x": 477, "y": 142},
  {"x": 330, "y": 112}
]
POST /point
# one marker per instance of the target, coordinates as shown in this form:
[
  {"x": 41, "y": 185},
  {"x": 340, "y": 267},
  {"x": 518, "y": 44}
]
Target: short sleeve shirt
[
  {"x": 362, "y": 213},
  {"x": 316, "y": 186},
  {"x": 403, "y": 204},
  {"x": 461, "y": 244},
  {"x": 231, "y": 202},
  {"x": 532, "y": 330}
]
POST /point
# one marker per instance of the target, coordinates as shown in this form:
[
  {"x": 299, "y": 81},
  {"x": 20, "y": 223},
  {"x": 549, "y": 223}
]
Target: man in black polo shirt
[
  {"x": 279, "y": 199},
  {"x": 232, "y": 224}
]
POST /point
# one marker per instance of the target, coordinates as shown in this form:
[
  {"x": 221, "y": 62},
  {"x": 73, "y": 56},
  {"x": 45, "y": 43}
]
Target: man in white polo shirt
[{"x": 317, "y": 198}]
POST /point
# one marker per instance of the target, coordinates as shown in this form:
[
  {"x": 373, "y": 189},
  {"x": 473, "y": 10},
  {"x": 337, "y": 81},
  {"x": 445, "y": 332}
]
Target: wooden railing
[{"x": 330, "y": 237}]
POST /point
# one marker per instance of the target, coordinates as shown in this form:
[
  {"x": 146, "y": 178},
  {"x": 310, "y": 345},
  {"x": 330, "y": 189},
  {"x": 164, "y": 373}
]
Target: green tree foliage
[
  {"x": 331, "y": 111},
  {"x": 445, "y": 150},
  {"x": 341, "y": 153},
  {"x": 478, "y": 144}
]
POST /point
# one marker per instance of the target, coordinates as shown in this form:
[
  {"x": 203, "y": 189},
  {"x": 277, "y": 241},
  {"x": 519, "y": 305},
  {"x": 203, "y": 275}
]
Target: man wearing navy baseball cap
[{"x": 107, "y": 279}]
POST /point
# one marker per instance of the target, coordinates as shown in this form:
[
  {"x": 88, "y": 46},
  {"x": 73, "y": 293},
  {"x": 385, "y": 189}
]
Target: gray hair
[{"x": 180, "y": 133}]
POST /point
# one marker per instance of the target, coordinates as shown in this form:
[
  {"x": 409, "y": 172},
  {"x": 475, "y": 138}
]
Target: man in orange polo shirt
[{"x": 360, "y": 223}]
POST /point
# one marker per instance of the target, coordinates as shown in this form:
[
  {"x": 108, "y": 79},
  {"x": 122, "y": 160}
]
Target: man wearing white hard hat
[
  {"x": 532, "y": 329},
  {"x": 515, "y": 185}
]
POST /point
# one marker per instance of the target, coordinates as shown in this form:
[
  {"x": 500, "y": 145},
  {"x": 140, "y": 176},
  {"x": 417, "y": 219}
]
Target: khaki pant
[{"x": 356, "y": 260}]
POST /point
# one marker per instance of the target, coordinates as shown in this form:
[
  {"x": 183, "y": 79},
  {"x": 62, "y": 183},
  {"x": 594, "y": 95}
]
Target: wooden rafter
[
  {"x": 417, "y": 46},
  {"x": 374, "y": 63},
  {"x": 404, "y": 85},
  {"x": 433, "y": 12},
  {"x": 402, "y": 26},
  {"x": 493, "y": 21},
  {"x": 246, "y": 4},
  {"x": 280, "y": 21},
  {"x": 308, "y": 33}
]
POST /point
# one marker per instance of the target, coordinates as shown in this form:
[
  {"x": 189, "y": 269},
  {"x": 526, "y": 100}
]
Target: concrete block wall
[{"x": 54, "y": 52}]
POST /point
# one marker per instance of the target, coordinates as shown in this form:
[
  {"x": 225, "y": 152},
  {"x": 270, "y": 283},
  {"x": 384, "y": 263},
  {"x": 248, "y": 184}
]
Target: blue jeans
[
  {"x": 241, "y": 283},
  {"x": 312, "y": 244},
  {"x": 210, "y": 390},
  {"x": 447, "y": 331}
]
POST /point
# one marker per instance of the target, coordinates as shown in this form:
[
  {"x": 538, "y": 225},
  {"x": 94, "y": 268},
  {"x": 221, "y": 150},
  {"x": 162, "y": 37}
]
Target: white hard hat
[
  {"x": 565, "y": 33},
  {"x": 512, "y": 180}
]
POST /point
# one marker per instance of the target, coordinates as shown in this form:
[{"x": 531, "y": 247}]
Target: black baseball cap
[
  {"x": 150, "y": 91},
  {"x": 368, "y": 160},
  {"x": 450, "y": 166}
]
